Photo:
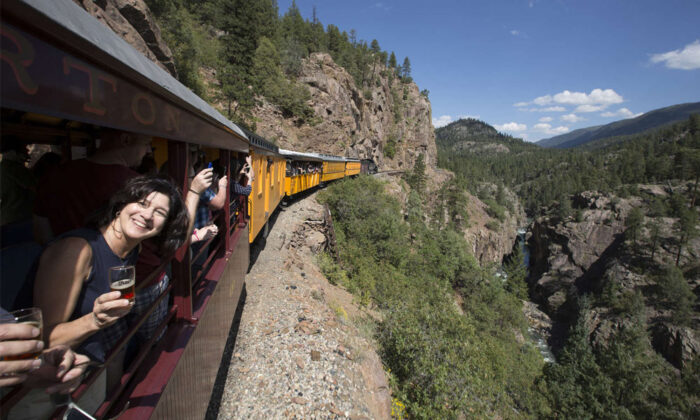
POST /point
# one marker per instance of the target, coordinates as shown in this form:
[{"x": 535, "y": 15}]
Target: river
[{"x": 538, "y": 338}]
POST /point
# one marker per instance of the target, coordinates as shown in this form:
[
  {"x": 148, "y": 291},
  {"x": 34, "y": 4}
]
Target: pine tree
[
  {"x": 654, "y": 235},
  {"x": 517, "y": 272},
  {"x": 633, "y": 223},
  {"x": 577, "y": 386},
  {"x": 406, "y": 69},
  {"x": 687, "y": 229},
  {"x": 676, "y": 293},
  {"x": 392, "y": 61}
]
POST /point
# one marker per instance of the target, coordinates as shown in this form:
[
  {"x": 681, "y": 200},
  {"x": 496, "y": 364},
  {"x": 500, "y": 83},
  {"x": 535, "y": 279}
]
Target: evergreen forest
[
  {"x": 542, "y": 176},
  {"x": 256, "y": 53}
]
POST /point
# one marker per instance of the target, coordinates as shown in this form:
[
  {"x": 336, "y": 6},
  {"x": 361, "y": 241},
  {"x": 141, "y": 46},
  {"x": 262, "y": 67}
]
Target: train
[{"x": 64, "y": 76}]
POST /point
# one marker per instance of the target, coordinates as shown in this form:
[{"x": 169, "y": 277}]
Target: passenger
[
  {"x": 17, "y": 189},
  {"x": 210, "y": 199},
  {"x": 71, "y": 283},
  {"x": 72, "y": 192},
  {"x": 243, "y": 185},
  {"x": 46, "y": 163},
  {"x": 57, "y": 371}
]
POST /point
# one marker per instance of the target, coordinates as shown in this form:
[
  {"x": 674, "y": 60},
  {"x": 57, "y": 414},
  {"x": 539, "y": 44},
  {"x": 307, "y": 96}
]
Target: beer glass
[
  {"x": 31, "y": 316},
  {"x": 123, "y": 279}
]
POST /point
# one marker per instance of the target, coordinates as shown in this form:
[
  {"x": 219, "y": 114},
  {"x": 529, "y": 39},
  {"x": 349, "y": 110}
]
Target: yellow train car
[
  {"x": 268, "y": 183},
  {"x": 303, "y": 171},
  {"x": 333, "y": 168},
  {"x": 352, "y": 167}
]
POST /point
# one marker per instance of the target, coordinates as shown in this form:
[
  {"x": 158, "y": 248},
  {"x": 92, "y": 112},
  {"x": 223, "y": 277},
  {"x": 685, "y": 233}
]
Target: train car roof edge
[{"x": 79, "y": 23}]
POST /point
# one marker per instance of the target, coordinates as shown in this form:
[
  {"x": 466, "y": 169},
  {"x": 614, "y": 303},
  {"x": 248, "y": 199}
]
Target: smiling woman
[{"x": 71, "y": 284}]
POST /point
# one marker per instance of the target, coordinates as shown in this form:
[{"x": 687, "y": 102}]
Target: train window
[
  {"x": 272, "y": 174},
  {"x": 260, "y": 182}
]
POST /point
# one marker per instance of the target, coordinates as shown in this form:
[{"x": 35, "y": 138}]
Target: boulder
[{"x": 677, "y": 344}]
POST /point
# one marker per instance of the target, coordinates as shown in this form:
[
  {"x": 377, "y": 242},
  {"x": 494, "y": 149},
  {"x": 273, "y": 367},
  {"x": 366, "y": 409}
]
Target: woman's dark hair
[{"x": 174, "y": 231}]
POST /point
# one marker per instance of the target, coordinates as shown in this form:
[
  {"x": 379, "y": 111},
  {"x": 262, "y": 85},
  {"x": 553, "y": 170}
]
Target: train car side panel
[
  {"x": 188, "y": 392},
  {"x": 256, "y": 202},
  {"x": 332, "y": 170},
  {"x": 352, "y": 168},
  {"x": 268, "y": 190}
]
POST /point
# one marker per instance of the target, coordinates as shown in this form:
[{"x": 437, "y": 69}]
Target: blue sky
[{"x": 534, "y": 68}]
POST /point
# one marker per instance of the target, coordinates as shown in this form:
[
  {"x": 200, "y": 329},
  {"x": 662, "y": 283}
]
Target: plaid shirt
[
  {"x": 144, "y": 298},
  {"x": 203, "y": 215}
]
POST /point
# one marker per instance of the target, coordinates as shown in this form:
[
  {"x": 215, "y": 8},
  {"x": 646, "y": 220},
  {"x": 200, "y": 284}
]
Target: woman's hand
[
  {"x": 223, "y": 183},
  {"x": 61, "y": 372},
  {"x": 208, "y": 231},
  {"x": 16, "y": 340},
  {"x": 202, "y": 180},
  {"x": 108, "y": 308}
]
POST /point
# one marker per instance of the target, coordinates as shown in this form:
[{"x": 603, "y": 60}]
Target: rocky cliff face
[
  {"x": 491, "y": 245},
  {"x": 133, "y": 21},
  {"x": 356, "y": 122},
  {"x": 351, "y": 121},
  {"x": 561, "y": 252},
  {"x": 570, "y": 258}
]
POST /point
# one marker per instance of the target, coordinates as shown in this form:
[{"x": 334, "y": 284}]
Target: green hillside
[
  {"x": 652, "y": 119},
  {"x": 542, "y": 176}
]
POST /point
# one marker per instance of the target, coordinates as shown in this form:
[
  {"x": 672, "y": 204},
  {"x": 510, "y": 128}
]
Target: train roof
[
  {"x": 260, "y": 142},
  {"x": 62, "y": 25},
  {"x": 300, "y": 155}
]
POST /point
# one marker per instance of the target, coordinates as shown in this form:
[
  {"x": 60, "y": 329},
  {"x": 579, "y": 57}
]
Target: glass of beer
[
  {"x": 31, "y": 316},
  {"x": 123, "y": 279}
]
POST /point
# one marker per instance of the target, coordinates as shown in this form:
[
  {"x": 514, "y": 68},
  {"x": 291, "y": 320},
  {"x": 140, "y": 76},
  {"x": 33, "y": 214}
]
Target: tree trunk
[{"x": 680, "y": 248}]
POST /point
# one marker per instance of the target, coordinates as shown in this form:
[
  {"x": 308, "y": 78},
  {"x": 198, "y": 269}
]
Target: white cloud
[
  {"x": 590, "y": 108},
  {"x": 622, "y": 112},
  {"x": 686, "y": 59},
  {"x": 548, "y": 109},
  {"x": 515, "y": 32},
  {"x": 442, "y": 121},
  {"x": 572, "y": 118},
  {"x": 596, "y": 100},
  {"x": 511, "y": 126},
  {"x": 521, "y": 104},
  {"x": 543, "y": 100},
  {"x": 548, "y": 129},
  {"x": 546, "y": 119},
  {"x": 596, "y": 97}
]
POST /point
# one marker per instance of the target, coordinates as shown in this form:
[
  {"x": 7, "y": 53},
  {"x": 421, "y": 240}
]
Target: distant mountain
[
  {"x": 649, "y": 120},
  {"x": 476, "y": 137}
]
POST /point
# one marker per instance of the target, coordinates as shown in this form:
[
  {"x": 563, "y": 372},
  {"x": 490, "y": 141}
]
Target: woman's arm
[
  {"x": 217, "y": 203},
  {"x": 63, "y": 269},
  {"x": 199, "y": 183}
]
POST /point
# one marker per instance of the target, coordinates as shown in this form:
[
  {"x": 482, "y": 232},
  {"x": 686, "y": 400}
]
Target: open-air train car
[
  {"x": 65, "y": 75},
  {"x": 268, "y": 184},
  {"x": 333, "y": 167},
  {"x": 303, "y": 171}
]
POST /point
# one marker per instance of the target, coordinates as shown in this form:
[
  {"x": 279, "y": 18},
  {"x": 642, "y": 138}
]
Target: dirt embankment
[{"x": 303, "y": 349}]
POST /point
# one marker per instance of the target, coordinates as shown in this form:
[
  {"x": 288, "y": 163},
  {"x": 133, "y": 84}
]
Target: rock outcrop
[
  {"x": 570, "y": 258},
  {"x": 491, "y": 245},
  {"x": 133, "y": 21},
  {"x": 356, "y": 122},
  {"x": 562, "y": 251}
]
